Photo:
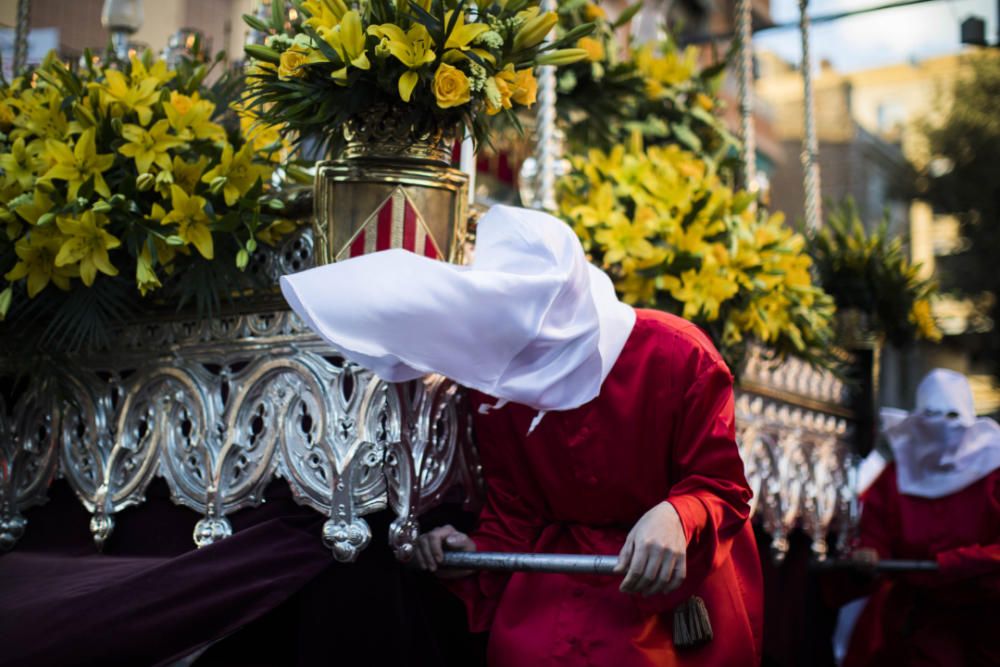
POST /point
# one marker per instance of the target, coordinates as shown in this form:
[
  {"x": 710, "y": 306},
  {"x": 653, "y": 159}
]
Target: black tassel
[{"x": 692, "y": 625}]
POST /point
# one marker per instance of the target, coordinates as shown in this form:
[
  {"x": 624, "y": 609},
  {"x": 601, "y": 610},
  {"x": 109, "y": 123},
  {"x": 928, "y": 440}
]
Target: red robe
[
  {"x": 661, "y": 429},
  {"x": 951, "y": 618}
]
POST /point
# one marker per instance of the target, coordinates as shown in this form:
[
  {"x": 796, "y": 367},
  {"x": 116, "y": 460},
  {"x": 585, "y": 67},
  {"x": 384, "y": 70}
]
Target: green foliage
[
  {"x": 871, "y": 273},
  {"x": 657, "y": 89},
  {"x": 119, "y": 183}
]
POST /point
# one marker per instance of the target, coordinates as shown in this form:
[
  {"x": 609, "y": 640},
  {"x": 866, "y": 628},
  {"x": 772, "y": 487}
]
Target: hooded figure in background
[
  {"x": 602, "y": 430},
  {"x": 938, "y": 500}
]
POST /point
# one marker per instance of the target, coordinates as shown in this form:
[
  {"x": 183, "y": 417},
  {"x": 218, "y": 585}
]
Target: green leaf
[
  {"x": 685, "y": 136},
  {"x": 278, "y": 15}
]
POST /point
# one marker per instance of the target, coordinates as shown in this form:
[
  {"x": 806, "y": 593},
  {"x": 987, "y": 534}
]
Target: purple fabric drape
[{"x": 152, "y": 598}]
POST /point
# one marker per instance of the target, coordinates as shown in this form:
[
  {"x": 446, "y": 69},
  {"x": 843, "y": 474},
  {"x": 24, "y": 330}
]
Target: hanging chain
[
  {"x": 21, "y": 36},
  {"x": 748, "y": 151},
  {"x": 810, "y": 146}
]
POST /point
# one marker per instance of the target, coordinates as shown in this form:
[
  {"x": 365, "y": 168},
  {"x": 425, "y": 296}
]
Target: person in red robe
[
  {"x": 938, "y": 501},
  {"x": 602, "y": 430},
  {"x": 648, "y": 470}
]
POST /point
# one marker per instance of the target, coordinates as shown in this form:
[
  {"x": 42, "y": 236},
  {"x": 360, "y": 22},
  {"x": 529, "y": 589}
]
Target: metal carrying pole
[
  {"x": 881, "y": 567},
  {"x": 523, "y": 562},
  {"x": 496, "y": 561}
]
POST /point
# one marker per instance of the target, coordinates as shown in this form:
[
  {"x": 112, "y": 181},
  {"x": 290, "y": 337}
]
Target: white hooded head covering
[
  {"x": 529, "y": 321},
  {"x": 941, "y": 447}
]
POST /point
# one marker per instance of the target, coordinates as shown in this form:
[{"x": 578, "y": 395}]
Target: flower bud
[
  {"x": 534, "y": 31},
  {"x": 6, "y": 297},
  {"x": 262, "y": 53},
  {"x": 242, "y": 259},
  {"x": 145, "y": 182},
  {"x": 562, "y": 57},
  {"x": 102, "y": 207},
  {"x": 217, "y": 184}
]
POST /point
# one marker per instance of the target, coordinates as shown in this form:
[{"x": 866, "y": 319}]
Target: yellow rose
[
  {"x": 592, "y": 12},
  {"x": 525, "y": 87},
  {"x": 292, "y": 61},
  {"x": 451, "y": 86},
  {"x": 594, "y": 49},
  {"x": 182, "y": 103}
]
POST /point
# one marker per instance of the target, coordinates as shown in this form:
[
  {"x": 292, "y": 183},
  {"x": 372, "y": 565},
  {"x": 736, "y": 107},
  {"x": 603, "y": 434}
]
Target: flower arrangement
[
  {"x": 674, "y": 237},
  {"x": 434, "y": 64},
  {"x": 119, "y": 179},
  {"x": 657, "y": 89},
  {"x": 870, "y": 273}
]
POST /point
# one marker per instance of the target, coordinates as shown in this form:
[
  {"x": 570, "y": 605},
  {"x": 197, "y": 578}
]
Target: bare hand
[
  {"x": 431, "y": 546},
  {"x": 654, "y": 557}
]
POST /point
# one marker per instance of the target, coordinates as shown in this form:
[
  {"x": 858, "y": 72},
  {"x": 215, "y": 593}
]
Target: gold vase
[{"x": 391, "y": 187}]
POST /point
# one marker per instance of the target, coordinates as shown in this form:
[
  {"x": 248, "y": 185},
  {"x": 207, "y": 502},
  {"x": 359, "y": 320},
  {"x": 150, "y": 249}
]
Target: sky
[{"x": 879, "y": 38}]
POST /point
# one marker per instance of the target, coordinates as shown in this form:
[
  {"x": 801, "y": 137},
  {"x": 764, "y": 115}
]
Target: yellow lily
[
  {"x": 40, "y": 205},
  {"x": 188, "y": 174},
  {"x": 157, "y": 71},
  {"x": 623, "y": 240},
  {"x": 19, "y": 165},
  {"x": 87, "y": 245},
  {"x": 324, "y": 14},
  {"x": 703, "y": 291},
  {"x": 461, "y": 36},
  {"x": 41, "y": 114},
  {"x": 150, "y": 146},
  {"x": 192, "y": 222},
  {"x": 76, "y": 165},
  {"x": 275, "y": 231},
  {"x": 165, "y": 253},
  {"x": 145, "y": 276},
  {"x": 414, "y": 48},
  {"x": 192, "y": 117},
  {"x": 36, "y": 255},
  {"x": 138, "y": 97},
  {"x": 239, "y": 172},
  {"x": 349, "y": 41}
]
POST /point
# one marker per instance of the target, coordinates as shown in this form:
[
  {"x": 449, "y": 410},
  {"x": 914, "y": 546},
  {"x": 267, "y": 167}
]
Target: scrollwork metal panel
[{"x": 28, "y": 458}]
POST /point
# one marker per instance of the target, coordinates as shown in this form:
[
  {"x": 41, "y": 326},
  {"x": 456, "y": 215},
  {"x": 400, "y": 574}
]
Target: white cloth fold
[
  {"x": 529, "y": 321},
  {"x": 941, "y": 447}
]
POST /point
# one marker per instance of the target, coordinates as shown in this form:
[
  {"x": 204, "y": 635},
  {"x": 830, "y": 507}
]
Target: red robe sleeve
[
  {"x": 976, "y": 561},
  {"x": 505, "y": 524},
  {"x": 709, "y": 491},
  {"x": 879, "y": 514}
]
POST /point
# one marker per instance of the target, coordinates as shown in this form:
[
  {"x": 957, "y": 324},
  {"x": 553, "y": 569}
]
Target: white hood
[
  {"x": 529, "y": 321},
  {"x": 941, "y": 447}
]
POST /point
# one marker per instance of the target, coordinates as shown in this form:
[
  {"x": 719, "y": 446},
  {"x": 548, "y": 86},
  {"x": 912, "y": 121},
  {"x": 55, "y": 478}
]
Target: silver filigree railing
[
  {"x": 219, "y": 408},
  {"x": 795, "y": 439}
]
